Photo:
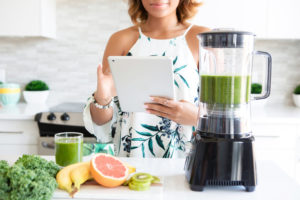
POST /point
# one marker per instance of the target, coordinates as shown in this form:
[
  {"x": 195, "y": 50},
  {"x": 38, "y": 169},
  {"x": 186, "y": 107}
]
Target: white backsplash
[{"x": 68, "y": 63}]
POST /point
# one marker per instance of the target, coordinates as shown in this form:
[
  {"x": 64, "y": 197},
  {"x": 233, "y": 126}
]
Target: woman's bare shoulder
[
  {"x": 125, "y": 34},
  {"x": 198, "y": 29},
  {"x": 124, "y": 39}
]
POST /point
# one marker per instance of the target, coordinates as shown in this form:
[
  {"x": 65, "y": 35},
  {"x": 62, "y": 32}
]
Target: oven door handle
[{"x": 48, "y": 145}]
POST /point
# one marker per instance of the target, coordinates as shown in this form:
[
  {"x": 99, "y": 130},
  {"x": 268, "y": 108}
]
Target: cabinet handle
[{"x": 12, "y": 132}]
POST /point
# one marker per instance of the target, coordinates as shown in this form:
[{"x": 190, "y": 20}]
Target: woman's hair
[{"x": 186, "y": 9}]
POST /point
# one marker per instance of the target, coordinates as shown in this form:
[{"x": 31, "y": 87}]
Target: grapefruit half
[{"x": 108, "y": 171}]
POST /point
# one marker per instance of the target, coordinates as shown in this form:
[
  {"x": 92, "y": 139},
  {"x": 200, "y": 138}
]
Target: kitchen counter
[
  {"x": 266, "y": 114},
  {"x": 273, "y": 183},
  {"x": 21, "y": 111}
]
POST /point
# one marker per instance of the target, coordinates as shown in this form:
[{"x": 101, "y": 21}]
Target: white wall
[{"x": 68, "y": 63}]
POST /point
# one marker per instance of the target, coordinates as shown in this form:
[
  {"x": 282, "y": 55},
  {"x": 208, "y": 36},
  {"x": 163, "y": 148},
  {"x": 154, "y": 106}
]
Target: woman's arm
[{"x": 118, "y": 45}]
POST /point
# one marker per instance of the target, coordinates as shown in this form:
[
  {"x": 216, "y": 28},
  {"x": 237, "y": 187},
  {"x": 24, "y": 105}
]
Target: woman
[{"x": 164, "y": 131}]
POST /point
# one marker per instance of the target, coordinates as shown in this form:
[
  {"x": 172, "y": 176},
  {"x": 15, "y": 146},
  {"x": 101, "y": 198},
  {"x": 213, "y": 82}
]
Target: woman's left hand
[{"x": 181, "y": 112}]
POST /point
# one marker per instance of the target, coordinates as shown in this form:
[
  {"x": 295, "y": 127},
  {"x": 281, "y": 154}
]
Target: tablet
[{"x": 137, "y": 78}]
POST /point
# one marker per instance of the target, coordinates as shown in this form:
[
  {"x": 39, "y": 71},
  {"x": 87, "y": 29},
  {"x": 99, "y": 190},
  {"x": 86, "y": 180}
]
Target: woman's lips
[{"x": 158, "y": 5}]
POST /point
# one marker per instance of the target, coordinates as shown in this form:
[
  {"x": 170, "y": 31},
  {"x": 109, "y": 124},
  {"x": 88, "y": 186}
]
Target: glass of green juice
[{"x": 68, "y": 148}]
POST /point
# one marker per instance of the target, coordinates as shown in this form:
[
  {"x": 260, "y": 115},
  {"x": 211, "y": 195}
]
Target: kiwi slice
[
  {"x": 155, "y": 179},
  {"x": 142, "y": 178},
  {"x": 139, "y": 186}
]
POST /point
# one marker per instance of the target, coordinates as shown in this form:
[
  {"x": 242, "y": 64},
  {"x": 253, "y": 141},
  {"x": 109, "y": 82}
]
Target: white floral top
[{"x": 142, "y": 134}]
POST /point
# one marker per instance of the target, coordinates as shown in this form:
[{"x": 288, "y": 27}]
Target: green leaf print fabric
[{"x": 142, "y": 134}]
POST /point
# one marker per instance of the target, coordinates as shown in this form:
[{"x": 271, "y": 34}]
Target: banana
[
  {"x": 80, "y": 174},
  {"x": 131, "y": 168},
  {"x": 63, "y": 178}
]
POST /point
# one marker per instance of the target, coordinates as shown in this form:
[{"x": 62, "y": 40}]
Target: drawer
[
  {"x": 18, "y": 132},
  {"x": 270, "y": 136}
]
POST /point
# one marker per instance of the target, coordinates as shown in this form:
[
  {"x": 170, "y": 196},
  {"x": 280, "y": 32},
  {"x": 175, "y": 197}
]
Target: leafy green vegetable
[
  {"x": 297, "y": 90},
  {"x": 256, "y": 88},
  {"x": 34, "y": 162},
  {"x": 36, "y": 85},
  {"x": 4, "y": 180},
  {"x": 30, "y": 178}
]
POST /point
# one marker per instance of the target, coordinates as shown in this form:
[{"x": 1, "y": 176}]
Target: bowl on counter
[
  {"x": 9, "y": 93},
  {"x": 296, "y": 98},
  {"x": 36, "y": 97}
]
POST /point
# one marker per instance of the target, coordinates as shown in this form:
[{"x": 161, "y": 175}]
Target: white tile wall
[{"x": 68, "y": 63}]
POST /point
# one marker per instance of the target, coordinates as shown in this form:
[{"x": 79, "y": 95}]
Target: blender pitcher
[
  {"x": 222, "y": 152},
  {"x": 225, "y": 82}
]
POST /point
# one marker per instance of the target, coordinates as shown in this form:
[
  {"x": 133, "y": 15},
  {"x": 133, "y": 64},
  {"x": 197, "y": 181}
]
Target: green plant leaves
[
  {"x": 149, "y": 127},
  {"x": 159, "y": 142},
  {"x": 175, "y": 60},
  {"x": 179, "y": 68},
  {"x": 138, "y": 139},
  {"x": 183, "y": 79},
  {"x": 144, "y": 133},
  {"x": 143, "y": 150},
  {"x": 175, "y": 82},
  {"x": 150, "y": 145}
]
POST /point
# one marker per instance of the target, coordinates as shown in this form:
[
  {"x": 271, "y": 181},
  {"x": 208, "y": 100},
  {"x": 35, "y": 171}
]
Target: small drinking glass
[{"x": 68, "y": 148}]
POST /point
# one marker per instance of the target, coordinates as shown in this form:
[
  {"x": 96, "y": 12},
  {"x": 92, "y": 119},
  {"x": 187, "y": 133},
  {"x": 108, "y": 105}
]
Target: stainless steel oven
[{"x": 65, "y": 117}]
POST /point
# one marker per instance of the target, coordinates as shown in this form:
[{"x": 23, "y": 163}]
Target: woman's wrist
[{"x": 101, "y": 99}]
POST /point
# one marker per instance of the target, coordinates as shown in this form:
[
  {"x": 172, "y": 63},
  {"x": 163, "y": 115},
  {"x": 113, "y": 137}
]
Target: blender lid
[{"x": 225, "y": 38}]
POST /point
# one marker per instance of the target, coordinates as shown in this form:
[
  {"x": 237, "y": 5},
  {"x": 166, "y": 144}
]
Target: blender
[{"x": 222, "y": 146}]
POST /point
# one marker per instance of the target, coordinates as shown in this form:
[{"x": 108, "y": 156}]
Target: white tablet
[{"x": 137, "y": 78}]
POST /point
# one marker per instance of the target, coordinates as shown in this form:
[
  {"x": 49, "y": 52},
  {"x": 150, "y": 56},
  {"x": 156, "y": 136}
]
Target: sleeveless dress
[{"x": 139, "y": 134}]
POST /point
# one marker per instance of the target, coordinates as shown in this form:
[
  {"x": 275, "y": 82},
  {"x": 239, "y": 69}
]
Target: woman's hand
[
  {"x": 105, "y": 87},
  {"x": 181, "y": 112}
]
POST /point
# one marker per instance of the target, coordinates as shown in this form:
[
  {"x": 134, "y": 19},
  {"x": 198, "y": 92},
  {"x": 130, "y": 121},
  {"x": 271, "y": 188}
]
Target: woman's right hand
[{"x": 105, "y": 87}]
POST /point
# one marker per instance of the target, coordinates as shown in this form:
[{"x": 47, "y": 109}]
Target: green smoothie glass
[
  {"x": 225, "y": 68},
  {"x": 68, "y": 148}
]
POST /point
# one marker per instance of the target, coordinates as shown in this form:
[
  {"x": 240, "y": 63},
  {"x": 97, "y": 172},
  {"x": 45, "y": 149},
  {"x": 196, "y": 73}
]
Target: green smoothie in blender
[{"x": 225, "y": 89}]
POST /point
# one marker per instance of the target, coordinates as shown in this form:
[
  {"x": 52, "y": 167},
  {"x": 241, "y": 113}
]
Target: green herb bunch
[
  {"x": 256, "y": 88},
  {"x": 30, "y": 178},
  {"x": 297, "y": 90},
  {"x": 36, "y": 85}
]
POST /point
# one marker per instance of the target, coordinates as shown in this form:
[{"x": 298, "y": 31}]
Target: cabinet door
[
  {"x": 238, "y": 14},
  {"x": 283, "y": 19},
  {"x": 18, "y": 132}
]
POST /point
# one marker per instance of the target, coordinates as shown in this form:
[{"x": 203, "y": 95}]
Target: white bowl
[
  {"x": 296, "y": 98},
  {"x": 37, "y": 97}
]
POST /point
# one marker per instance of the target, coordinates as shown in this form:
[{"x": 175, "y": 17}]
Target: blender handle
[{"x": 268, "y": 91}]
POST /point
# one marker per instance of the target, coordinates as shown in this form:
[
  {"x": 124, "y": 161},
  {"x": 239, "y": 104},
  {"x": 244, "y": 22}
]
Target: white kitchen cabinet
[
  {"x": 266, "y": 18},
  {"x": 283, "y": 19},
  {"x": 18, "y": 137},
  {"x": 28, "y": 18},
  {"x": 277, "y": 142}
]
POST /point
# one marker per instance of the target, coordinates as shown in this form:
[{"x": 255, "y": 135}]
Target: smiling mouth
[{"x": 158, "y": 4}]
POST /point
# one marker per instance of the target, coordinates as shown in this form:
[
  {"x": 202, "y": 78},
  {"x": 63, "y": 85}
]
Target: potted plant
[
  {"x": 296, "y": 96},
  {"x": 36, "y": 91},
  {"x": 256, "y": 88}
]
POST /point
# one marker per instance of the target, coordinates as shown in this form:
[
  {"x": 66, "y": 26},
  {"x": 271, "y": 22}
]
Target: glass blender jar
[
  {"x": 225, "y": 83},
  {"x": 222, "y": 147}
]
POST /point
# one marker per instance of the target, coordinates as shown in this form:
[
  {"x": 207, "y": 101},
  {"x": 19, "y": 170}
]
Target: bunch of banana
[
  {"x": 75, "y": 174},
  {"x": 72, "y": 176}
]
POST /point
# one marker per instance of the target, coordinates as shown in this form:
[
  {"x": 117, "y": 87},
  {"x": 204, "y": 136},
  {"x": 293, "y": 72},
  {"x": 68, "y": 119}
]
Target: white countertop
[
  {"x": 260, "y": 114},
  {"x": 21, "y": 111},
  {"x": 273, "y": 183}
]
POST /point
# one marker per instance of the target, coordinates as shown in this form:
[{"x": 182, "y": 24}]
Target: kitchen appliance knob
[
  {"x": 51, "y": 117},
  {"x": 65, "y": 117}
]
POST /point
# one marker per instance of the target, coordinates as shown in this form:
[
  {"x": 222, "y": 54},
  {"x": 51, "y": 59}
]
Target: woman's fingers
[
  {"x": 158, "y": 113},
  {"x": 158, "y": 107},
  {"x": 164, "y": 101}
]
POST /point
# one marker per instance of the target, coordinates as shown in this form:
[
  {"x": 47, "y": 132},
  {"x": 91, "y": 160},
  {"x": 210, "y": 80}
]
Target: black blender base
[{"x": 221, "y": 162}]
